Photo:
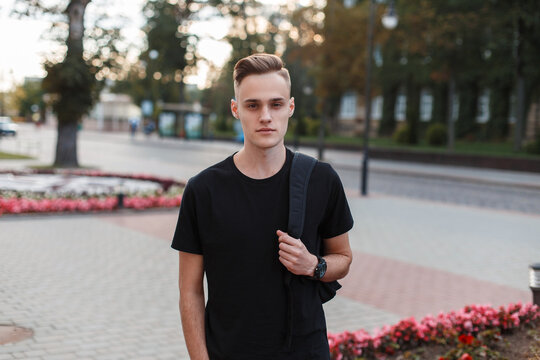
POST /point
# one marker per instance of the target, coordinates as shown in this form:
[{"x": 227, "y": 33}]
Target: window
[
  {"x": 455, "y": 107},
  {"x": 482, "y": 115},
  {"x": 348, "y": 105},
  {"x": 512, "y": 116},
  {"x": 401, "y": 107},
  {"x": 376, "y": 108},
  {"x": 426, "y": 105}
]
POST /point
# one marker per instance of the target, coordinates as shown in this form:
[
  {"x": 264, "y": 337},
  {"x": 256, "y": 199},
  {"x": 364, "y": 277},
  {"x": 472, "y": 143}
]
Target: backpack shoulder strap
[{"x": 301, "y": 168}]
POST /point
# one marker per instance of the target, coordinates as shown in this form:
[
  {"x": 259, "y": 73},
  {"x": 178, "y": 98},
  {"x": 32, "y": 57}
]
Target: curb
[{"x": 432, "y": 175}]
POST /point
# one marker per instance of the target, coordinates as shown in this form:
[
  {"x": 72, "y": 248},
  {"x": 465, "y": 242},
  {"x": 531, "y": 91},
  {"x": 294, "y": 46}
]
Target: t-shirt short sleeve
[
  {"x": 338, "y": 218},
  {"x": 186, "y": 236}
]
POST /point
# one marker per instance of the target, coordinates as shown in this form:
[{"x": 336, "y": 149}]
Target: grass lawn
[
  {"x": 461, "y": 147},
  {"x": 10, "y": 156}
]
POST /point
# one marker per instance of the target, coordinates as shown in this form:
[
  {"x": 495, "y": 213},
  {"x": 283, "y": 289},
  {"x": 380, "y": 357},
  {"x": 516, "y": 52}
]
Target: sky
[{"x": 24, "y": 49}]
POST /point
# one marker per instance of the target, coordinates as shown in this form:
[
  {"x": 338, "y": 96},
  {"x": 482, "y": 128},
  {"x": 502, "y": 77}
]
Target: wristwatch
[{"x": 320, "y": 269}]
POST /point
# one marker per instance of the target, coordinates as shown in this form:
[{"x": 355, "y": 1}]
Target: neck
[{"x": 260, "y": 163}]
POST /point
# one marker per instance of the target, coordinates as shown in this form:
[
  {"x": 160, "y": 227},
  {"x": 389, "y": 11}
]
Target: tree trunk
[
  {"x": 499, "y": 110},
  {"x": 75, "y": 11},
  {"x": 413, "y": 110},
  {"x": 388, "y": 121},
  {"x": 468, "y": 108},
  {"x": 520, "y": 87},
  {"x": 440, "y": 103},
  {"x": 450, "y": 114},
  {"x": 66, "y": 145}
]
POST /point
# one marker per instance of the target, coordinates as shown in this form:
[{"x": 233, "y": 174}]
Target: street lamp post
[{"x": 389, "y": 21}]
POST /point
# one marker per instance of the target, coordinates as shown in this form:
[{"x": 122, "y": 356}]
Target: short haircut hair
[{"x": 258, "y": 64}]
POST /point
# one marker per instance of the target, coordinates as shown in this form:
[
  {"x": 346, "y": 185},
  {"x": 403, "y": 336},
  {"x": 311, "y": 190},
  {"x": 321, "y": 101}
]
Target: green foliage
[
  {"x": 413, "y": 111},
  {"x": 74, "y": 78},
  {"x": 387, "y": 124},
  {"x": 11, "y": 156},
  {"x": 312, "y": 126},
  {"x": 169, "y": 56},
  {"x": 75, "y": 88},
  {"x": 468, "y": 106},
  {"x": 254, "y": 31},
  {"x": 473, "y": 42},
  {"x": 479, "y": 347},
  {"x": 533, "y": 147},
  {"x": 402, "y": 135},
  {"x": 436, "y": 135},
  {"x": 497, "y": 126},
  {"x": 28, "y": 94},
  {"x": 223, "y": 124}
]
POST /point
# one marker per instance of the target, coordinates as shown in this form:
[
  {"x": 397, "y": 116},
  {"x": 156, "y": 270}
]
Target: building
[
  {"x": 350, "y": 119},
  {"x": 112, "y": 113}
]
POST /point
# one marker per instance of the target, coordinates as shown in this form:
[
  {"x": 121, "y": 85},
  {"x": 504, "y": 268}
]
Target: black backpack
[{"x": 301, "y": 168}]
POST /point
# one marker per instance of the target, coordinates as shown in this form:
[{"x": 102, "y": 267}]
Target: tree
[
  {"x": 74, "y": 79},
  {"x": 252, "y": 30},
  {"x": 169, "y": 55},
  {"x": 303, "y": 34},
  {"x": 27, "y": 96}
]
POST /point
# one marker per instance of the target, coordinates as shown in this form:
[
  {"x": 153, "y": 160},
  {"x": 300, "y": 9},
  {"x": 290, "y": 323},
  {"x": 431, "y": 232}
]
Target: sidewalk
[{"x": 105, "y": 286}]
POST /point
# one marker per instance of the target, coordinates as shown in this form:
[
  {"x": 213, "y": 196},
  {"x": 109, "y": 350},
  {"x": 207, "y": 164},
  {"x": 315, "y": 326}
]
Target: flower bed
[
  {"x": 466, "y": 327},
  {"x": 114, "y": 191}
]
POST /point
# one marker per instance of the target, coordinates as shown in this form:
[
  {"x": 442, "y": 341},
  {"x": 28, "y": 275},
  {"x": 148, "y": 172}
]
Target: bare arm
[
  {"x": 192, "y": 304},
  {"x": 298, "y": 260},
  {"x": 338, "y": 256}
]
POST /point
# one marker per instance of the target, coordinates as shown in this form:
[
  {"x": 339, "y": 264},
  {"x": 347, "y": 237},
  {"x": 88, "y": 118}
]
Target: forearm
[
  {"x": 337, "y": 266},
  {"x": 192, "y": 314}
]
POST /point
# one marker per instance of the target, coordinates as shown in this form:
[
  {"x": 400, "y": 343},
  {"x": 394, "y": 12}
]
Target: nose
[{"x": 265, "y": 114}]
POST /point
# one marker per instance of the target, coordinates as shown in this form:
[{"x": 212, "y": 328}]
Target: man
[{"x": 232, "y": 227}]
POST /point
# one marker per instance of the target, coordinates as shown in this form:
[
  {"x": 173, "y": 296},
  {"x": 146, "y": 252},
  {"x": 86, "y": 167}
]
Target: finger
[
  {"x": 287, "y": 247},
  {"x": 288, "y": 256},
  {"x": 286, "y": 263},
  {"x": 290, "y": 250},
  {"x": 286, "y": 238},
  {"x": 283, "y": 234}
]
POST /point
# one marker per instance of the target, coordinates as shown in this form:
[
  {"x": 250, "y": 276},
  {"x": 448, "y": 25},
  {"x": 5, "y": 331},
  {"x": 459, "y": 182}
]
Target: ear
[
  {"x": 291, "y": 106},
  {"x": 234, "y": 108}
]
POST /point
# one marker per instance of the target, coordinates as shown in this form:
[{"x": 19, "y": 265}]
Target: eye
[
  {"x": 251, "y": 106},
  {"x": 277, "y": 105}
]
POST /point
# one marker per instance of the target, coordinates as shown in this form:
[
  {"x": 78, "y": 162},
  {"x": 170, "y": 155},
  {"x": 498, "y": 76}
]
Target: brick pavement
[{"x": 104, "y": 286}]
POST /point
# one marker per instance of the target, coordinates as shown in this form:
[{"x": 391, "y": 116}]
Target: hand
[{"x": 294, "y": 255}]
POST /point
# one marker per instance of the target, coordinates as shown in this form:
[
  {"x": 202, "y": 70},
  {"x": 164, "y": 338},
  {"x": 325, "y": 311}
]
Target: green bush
[
  {"x": 223, "y": 124},
  {"x": 312, "y": 126},
  {"x": 436, "y": 135},
  {"x": 297, "y": 126},
  {"x": 533, "y": 147},
  {"x": 402, "y": 135}
]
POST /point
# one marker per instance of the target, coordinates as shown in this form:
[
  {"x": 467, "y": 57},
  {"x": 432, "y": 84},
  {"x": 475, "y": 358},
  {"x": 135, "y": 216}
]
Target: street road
[{"x": 182, "y": 159}]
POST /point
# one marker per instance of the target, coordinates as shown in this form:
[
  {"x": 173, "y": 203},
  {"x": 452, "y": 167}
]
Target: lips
[{"x": 265, "y": 130}]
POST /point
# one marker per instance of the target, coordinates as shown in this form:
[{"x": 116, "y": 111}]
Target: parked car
[{"x": 7, "y": 126}]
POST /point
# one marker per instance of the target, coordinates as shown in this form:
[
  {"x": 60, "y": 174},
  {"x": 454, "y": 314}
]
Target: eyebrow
[{"x": 258, "y": 100}]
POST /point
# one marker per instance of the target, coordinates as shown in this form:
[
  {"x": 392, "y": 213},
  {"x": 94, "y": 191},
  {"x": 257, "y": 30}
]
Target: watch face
[{"x": 320, "y": 270}]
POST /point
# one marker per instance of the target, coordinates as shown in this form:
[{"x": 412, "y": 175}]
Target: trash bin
[{"x": 534, "y": 282}]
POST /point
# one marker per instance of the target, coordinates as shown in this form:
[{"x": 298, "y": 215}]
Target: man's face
[{"x": 263, "y": 105}]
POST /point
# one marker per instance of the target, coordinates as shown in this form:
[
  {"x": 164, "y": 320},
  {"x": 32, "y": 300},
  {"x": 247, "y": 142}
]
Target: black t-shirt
[{"x": 231, "y": 220}]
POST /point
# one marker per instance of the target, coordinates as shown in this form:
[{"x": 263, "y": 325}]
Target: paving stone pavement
[
  {"x": 105, "y": 286},
  {"x": 89, "y": 289}
]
